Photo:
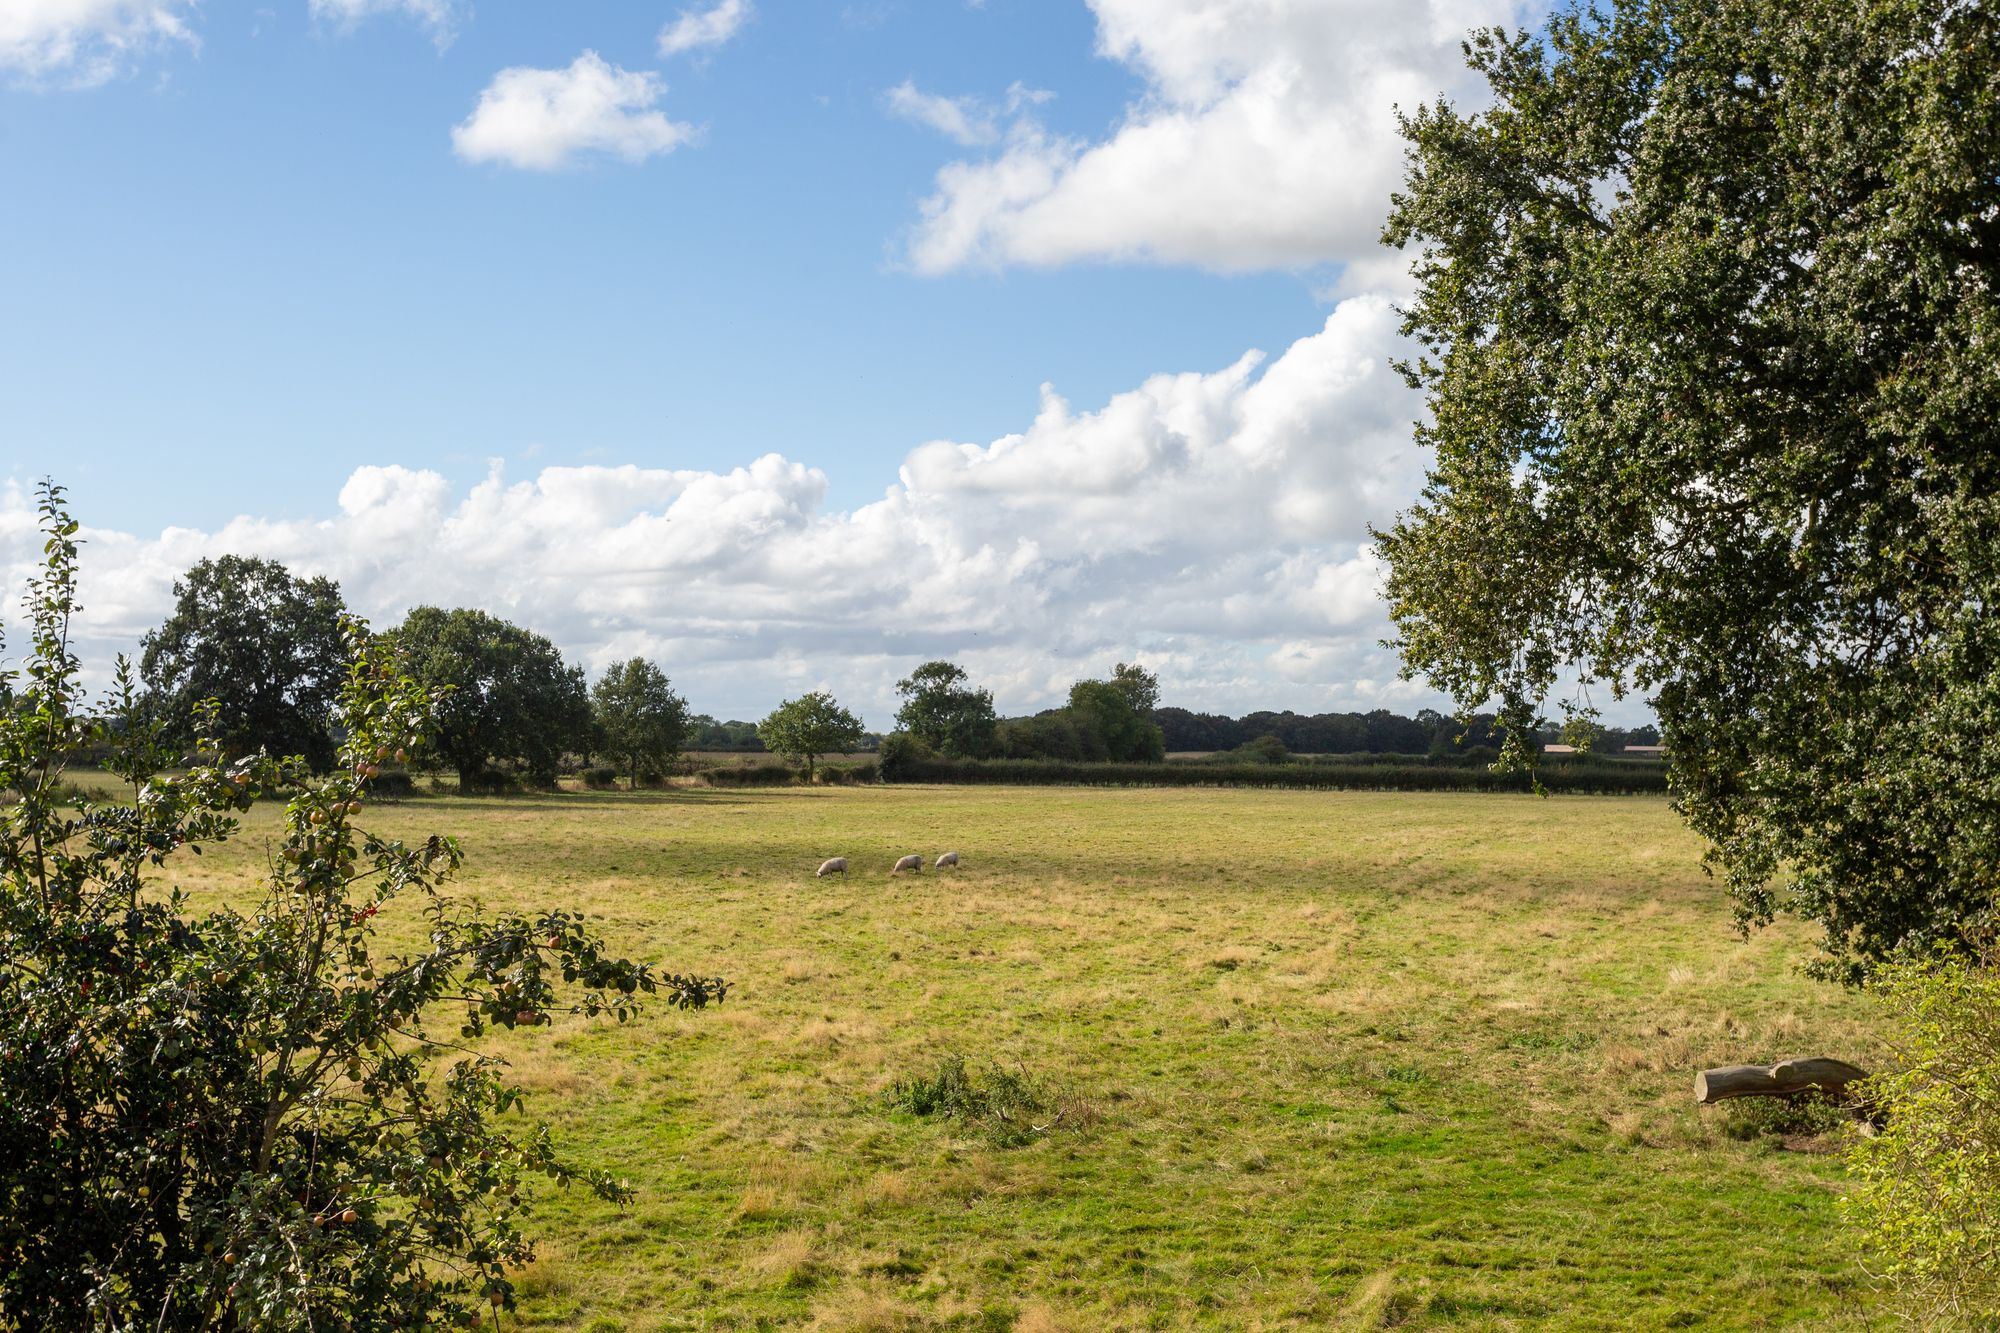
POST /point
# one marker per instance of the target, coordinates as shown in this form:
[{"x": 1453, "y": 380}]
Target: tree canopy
[
  {"x": 1708, "y": 327},
  {"x": 640, "y": 720},
  {"x": 1104, "y": 711},
  {"x": 265, "y": 645},
  {"x": 941, "y": 709},
  {"x": 511, "y": 698},
  {"x": 810, "y": 726}
]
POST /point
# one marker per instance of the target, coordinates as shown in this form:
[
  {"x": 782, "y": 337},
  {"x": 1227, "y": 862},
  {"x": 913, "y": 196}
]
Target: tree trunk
[{"x": 1787, "y": 1078}]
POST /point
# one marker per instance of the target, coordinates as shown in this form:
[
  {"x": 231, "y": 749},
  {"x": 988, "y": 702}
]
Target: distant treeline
[
  {"x": 1376, "y": 732},
  {"x": 269, "y": 650},
  {"x": 705, "y": 733},
  {"x": 1589, "y": 777}
]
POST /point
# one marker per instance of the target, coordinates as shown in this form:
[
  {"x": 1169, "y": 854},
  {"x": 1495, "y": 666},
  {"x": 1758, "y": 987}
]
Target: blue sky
[
  {"x": 264, "y": 253},
  {"x": 293, "y": 277}
]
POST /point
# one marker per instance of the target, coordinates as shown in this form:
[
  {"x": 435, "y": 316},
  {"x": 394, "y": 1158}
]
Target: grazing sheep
[
  {"x": 948, "y": 859},
  {"x": 915, "y": 863},
  {"x": 837, "y": 866}
]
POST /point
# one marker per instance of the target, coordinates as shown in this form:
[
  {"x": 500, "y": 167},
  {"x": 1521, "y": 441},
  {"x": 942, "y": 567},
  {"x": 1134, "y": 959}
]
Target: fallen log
[{"x": 1787, "y": 1078}]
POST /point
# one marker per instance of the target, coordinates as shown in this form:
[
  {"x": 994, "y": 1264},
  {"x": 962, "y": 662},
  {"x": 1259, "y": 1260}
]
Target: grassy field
[{"x": 1305, "y": 1060}]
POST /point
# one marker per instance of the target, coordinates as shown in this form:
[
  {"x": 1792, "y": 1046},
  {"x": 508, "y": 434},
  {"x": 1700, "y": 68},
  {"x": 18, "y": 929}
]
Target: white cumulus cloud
[
  {"x": 697, "y": 29},
  {"x": 1265, "y": 137},
  {"x": 1212, "y": 524},
  {"x": 87, "y": 42},
  {"x": 542, "y": 119}
]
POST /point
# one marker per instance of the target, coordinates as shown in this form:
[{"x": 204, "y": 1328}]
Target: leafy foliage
[
  {"x": 1708, "y": 327},
  {"x": 510, "y": 696},
  {"x": 212, "y": 1121},
  {"x": 810, "y": 726},
  {"x": 265, "y": 645},
  {"x": 945, "y": 713},
  {"x": 1105, "y": 710},
  {"x": 640, "y": 720},
  {"x": 1140, "y": 687},
  {"x": 1927, "y": 1191}
]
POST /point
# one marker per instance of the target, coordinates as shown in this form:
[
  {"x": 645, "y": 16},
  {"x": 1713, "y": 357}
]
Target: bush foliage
[
  {"x": 212, "y": 1121},
  {"x": 1927, "y": 1187}
]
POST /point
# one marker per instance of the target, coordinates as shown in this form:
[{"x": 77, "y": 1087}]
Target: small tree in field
[
  {"x": 640, "y": 719},
  {"x": 809, "y": 726},
  {"x": 212, "y": 1121}
]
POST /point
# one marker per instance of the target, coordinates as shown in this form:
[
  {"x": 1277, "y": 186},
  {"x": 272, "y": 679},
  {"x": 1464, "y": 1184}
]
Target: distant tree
[
  {"x": 1183, "y": 730},
  {"x": 810, "y": 726},
  {"x": 1124, "y": 732},
  {"x": 705, "y": 733},
  {"x": 1264, "y": 750},
  {"x": 266, "y": 646},
  {"x": 640, "y": 720},
  {"x": 1392, "y": 733},
  {"x": 944, "y": 712},
  {"x": 512, "y": 698},
  {"x": 1051, "y": 734},
  {"x": 1140, "y": 687}
]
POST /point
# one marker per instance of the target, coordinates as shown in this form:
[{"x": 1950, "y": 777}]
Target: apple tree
[{"x": 217, "y": 1119}]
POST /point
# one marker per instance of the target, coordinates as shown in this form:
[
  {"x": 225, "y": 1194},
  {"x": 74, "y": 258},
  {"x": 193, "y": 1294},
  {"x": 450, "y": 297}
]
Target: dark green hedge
[
  {"x": 1599, "y": 778},
  {"x": 784, "y": 775}
]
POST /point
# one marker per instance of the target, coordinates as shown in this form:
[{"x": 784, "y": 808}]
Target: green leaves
[
  {"x": 640, "y": 719},
  {"x": 1708, "y": 320},
  {"x": 209, "y": 1120},
  {"x": 808, "y": 727},
  {"x": 945, "y": 714}
]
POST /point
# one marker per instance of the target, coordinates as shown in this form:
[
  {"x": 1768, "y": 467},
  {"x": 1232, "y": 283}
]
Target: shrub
[
  {"x": 1927, "y": 1186},
  {"x": 600, "y": 777},
  {"x": 1264, "y": 750},
  {"x": 848, "y": 775},
  {"x": 750, "y": 775},
  {"x": 213, "y": 1120},
  {"x": 898, "y": 751}
]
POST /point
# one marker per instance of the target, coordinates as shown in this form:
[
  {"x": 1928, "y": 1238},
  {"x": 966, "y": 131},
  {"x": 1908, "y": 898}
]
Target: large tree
[
  {"x": 640, "y": 720},
  {"x": 512, "y": 697},
  {"x": 808, "y": 727},
  {"x": 265, "y": 645},
  {"x": 1708, "y": 328},
  {"x": 943, "y": 710}
]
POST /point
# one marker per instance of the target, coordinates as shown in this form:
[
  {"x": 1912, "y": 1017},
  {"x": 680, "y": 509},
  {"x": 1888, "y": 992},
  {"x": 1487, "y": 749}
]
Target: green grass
[{"x": 1321, "y": 1060}]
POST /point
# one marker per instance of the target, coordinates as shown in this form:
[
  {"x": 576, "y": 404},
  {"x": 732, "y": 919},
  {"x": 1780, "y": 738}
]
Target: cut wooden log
[{"x": 1787, "y": 1078}]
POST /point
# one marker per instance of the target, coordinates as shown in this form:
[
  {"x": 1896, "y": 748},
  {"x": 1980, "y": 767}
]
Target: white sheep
[
  {"x": 837, "y": 866},
  {"x": 915, "y": 863},
  {"x": 948, "y": 859}
]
